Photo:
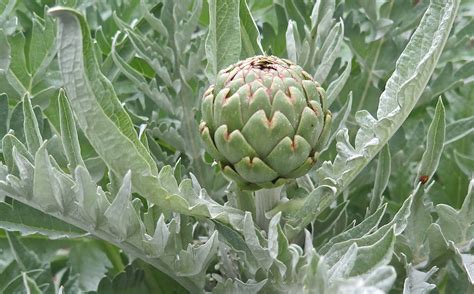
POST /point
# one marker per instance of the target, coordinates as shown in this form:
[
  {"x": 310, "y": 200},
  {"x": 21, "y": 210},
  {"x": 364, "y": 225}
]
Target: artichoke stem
[{"x": 265, "y": 200}]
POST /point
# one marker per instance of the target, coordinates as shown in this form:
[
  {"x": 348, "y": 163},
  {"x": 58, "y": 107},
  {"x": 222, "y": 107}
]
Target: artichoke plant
[{"x": 264, "y": 121}]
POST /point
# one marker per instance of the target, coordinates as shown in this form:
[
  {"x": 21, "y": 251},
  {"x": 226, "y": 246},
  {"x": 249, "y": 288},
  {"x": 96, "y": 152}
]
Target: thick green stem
[{"x": 265, "y": 200}]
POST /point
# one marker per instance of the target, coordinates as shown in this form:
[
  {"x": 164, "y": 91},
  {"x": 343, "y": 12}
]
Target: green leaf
[
  {"x": 30, "y": 285},
  {"x": 30, "y": 126},
  {"x": 4, "y": 53},
  {"x": 329, "y": 52},
  {"x": 457, "y": 225},
  {"x": 41, "y": 46},
  {"x": 10, "y": 142},
  {"x": 121, "y": 216},
  {"x": 418, "y": 223},
  {"x": 96, "y": 107},
  {"x": 46, "y": 188},
  {"x": 404, "y": 87},
  {"x": 459, "y": 129},
  {"x": 4, "y": 112},
  {"x": 382, "y": 176},
  {"x": 69, "y": 137},
  {"x": 249, "y": 32},
  {"x": 26, "y": 220},
  {"x": 336, "y": 86},
  {"x": 90, "y": 263},
  {"x": 417, "y": 281},
  {"x": 26, "y": 259},
  {"x": 223, "y": 42},
  {"x": 6, "y": 7},
  {"x": 434, "y": 145}
]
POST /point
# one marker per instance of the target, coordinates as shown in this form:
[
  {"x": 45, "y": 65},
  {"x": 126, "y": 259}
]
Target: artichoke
[{"x": 264, "y": 121}]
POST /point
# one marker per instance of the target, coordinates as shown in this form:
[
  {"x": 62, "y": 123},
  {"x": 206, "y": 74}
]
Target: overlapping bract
[{"x": 264, "y": 121}]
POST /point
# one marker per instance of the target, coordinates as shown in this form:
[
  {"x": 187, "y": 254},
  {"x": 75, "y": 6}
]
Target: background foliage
[{"x": 74, "y": 218}]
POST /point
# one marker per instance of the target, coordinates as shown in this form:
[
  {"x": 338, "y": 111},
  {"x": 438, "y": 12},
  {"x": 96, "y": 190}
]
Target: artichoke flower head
[{"x": 264, "y": 121}]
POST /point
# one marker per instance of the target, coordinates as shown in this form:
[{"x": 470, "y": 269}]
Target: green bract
[{"x": 264, "y": 121}]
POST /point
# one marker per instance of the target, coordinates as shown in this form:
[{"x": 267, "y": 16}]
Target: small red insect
[{"x": 423, "y": 179}]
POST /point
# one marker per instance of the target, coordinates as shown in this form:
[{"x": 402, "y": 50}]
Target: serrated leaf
[
  {"x": 194, "y": 260},
  {"x": 96, "y": 107},
  {"x": 416, "y": 281},
  {"x": 121, "y": 216},
  {"x": 223, "y": 42},
  {"x": 46, "y": 189},
  {"x": 91, "y": 199}
]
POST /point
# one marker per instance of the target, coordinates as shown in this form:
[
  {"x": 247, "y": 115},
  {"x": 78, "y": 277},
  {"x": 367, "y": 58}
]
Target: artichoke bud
[{"x": 263, "y": 121}]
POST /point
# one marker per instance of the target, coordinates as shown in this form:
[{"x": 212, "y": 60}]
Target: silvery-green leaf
[
  {"x": 237, "y": 286},
  {"x": 93, "y": 100},
  {"x": 263, "y": 256},
  {"x": 316, "y": 278},
  {"x": 30, "y": 285},
  {"x": 291, "y": 47},
  {"x": 375, "y": 255},
  {"x": 90, "y": 263},
  {"x": 418, "y": 223},
  {"x": 25, "y": 171},
  {"x": 437, "y": 244},
  {"x": 69, "y": 137},
  {"x": 157, "y": 243},
  {"x": 194, "y": 260},
  {"x": 91, "y": 199},
  {"x": 8, "y": 143},
  {"x": 6, "y": 7},
  {"x": 339, "y": 119},
  {"x": 465, "y": 163},
  {"x": 456, "y": 225},
  {"x": 459, "y": 129},
  {"x": 404, "y": 87},
  {"x": 26, "y": 220},
  {"x": 249, "y": 31},
  {"x": 223, "y": 43},
  {"x": 343, "y": 267},
  {"x": 46, "y": 189},
  {"x": 42, "y": 47},
  {"x": 382, "y": 175},
  {"x": 3, "y": 114},
  {"x": 152, "y": 92},
  {"x": 122, "y": 218},
  {"x": 434, "y": 145},
  {"x": 417, "y": 281},
  {"x": 329, "y": 52},
  {"x": 30, "y": 126},
  {"x": 4, "y": 53},
  {"x": 26, "y": 259},
  {"x": 336, "y": 86}
]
